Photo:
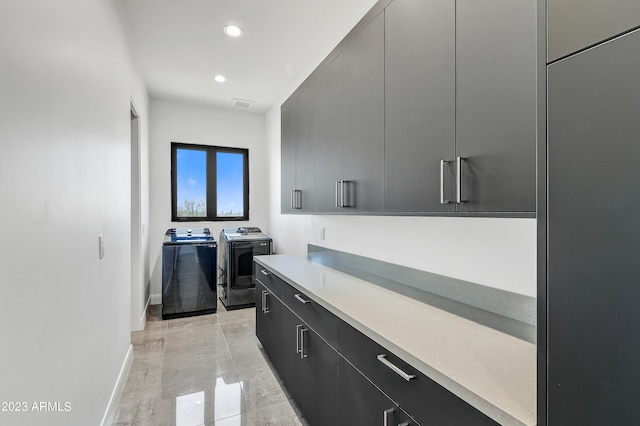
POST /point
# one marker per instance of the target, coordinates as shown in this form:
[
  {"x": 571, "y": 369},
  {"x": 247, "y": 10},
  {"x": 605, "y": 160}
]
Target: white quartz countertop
[{"x": 492, "y": 371}]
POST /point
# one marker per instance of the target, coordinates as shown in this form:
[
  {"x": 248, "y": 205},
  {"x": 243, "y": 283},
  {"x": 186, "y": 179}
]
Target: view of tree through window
[
  {"x": 209, "y": 183},
  {"x": 192, "y": 183}
]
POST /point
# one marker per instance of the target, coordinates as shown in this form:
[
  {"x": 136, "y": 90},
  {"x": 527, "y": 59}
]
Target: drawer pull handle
[
  {"x": 265, "y": 306},
  {"x": 383, "y": 359},
  {"x": 265, "y": 272},
  {"x": 301, "y": 300}
]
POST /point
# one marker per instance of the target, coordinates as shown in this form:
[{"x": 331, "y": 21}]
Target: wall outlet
[
  {"x": 100, "y": 246},
  {"x": 322, "y": 233}
]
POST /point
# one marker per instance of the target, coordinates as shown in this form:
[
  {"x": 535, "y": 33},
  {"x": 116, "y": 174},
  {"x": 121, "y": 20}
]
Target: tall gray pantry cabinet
[{"x": 593, "y": 236}]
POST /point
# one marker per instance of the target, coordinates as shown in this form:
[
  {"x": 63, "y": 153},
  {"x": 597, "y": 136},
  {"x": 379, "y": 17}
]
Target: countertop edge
[{"x": 486, "y": 407}]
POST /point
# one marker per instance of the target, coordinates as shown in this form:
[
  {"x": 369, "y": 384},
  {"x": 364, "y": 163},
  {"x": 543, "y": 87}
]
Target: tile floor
[{"x": 204, "y": 370}]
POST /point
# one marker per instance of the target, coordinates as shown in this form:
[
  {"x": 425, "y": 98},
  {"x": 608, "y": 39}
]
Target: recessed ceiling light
[
  {"x": 220, "y": 79},
  {"x": 233, "y": 31}
]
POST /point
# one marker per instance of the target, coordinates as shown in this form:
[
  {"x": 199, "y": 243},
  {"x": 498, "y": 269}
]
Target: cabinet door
[
  {"x": 291, "y": 369},
  {"x": 288, "y": 157},
  {"x": 364, "y": 119},
  {"x": 269, "y": 323},
  {"x": 576, "y": 24},
  {"x": 360, "y": 403},
  {"x": 496, "y": 104},
  {"x": 419, "y": 105},
  {"x": 320, "y": 378},
  {"x": 593, "y": 236},
  {"x": 329, "y": 135},
  {"x": 305, "y": 128}
]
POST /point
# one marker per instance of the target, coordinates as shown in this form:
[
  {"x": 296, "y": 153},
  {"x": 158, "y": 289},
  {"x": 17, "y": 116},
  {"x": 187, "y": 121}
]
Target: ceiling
[{"x": 180, "y": 46}]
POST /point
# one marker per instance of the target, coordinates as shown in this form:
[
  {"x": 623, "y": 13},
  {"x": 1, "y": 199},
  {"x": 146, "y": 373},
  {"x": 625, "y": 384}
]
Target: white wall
[
  {"x": 66, "y": 80},
  {"x": 499, "y": 253},
  {"x": 181, "y": 122}
]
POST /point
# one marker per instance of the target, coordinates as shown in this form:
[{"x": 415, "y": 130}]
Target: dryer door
[{"x": 242, "y": 267}]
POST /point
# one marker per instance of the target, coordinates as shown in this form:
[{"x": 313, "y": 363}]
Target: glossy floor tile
[{"x": 206, "y": 370}]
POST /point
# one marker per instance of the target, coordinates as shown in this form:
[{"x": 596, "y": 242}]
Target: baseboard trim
[
  {"x": 142, "y": 321},
  {"x": 110, "y": 413},
  {"x": 156, "y": 299}
]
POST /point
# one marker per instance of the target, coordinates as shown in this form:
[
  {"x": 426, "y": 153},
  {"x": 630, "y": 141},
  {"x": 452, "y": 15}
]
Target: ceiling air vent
[{"x": 242, "y": 103}]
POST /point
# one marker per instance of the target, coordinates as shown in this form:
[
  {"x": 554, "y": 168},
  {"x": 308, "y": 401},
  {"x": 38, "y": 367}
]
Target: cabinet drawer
[
  {"x": 268, "y": 279},
  {"x": 318, "y": 318},
  {"x": 428, "y": 402}
]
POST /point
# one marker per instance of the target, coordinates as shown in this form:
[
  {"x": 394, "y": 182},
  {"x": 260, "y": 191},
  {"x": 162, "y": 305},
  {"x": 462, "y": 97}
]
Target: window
[{"x": 209, "y": 183}]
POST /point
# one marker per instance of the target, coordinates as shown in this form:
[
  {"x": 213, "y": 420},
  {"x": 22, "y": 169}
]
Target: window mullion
[{"x": 212, "y": 191}]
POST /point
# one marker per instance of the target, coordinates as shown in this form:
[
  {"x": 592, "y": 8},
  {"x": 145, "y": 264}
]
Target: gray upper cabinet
[
  {"x": 426, "y": 107},
  {"x": 593, "y": 237},
  {"x": 496, "y": 105},
  {"x": 288, "y": 157},
  {"x": 364, "y": 120},
  {"x": 298, "y": 153},
  {"x": 306, "y": 149},
  {"x": 576, "y": 24},
  {"x": 329, "y": 136},
  {"x": 419, "y": 105}
]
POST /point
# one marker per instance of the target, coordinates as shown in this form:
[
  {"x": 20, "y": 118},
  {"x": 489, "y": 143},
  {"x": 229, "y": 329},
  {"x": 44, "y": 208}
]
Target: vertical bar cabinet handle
[
  {"x": 298, "y": 327},
  {"x": 303, "y": 331},
  {"x": 344, "y": 193},
  {"x": 265, "y": 310},
  {"x": 386, "y": 414},
  {"x": 442, "y": 165},
  {"x": 293, "y": 198},
  {"x": 338, "y": 194},
  {"x": 459, "y": 161}
]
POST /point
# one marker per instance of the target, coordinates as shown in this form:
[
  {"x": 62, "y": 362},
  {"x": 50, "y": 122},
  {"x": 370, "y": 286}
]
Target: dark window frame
[{"x": 212, "y": 196}]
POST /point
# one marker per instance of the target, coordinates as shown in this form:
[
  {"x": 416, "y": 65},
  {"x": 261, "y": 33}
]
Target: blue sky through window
[
  {"x": 230, "y": 183},
  {"x": 192, "y": 182}
]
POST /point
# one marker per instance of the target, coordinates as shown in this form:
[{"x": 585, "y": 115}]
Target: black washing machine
[
  {"x": 188, "y": 273},
  {"x": 236, "y": 271}
]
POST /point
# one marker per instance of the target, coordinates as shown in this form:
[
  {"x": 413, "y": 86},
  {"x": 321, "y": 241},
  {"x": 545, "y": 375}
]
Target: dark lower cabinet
[
  {"x": 320, "y": 380},
  {"x": 336, "y": 374},
  {"x": 361, "y": 403},
  {"x": 291, "y": 371},
  {"x": 309, "y": 370},
  {"x": 269, "y": 323},
  {"x": 306, "y": 363}
]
